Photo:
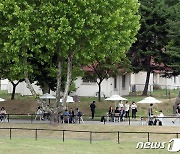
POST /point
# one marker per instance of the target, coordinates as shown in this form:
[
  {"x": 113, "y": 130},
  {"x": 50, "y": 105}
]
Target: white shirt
[
  {"x": 121, "y": 105},
  {"x": 127, "y": 107},
  {"x": 133, "y": 106},
  {"x": 160, "y": 115}
]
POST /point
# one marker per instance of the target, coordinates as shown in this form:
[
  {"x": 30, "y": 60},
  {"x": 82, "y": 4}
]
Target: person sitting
[
  {"x": 66, "y": 116},
  {"x": 111, "y": 113},
  {"x": 159, "y": 118},
  {"x": 122, "y": 114},
  {"x": 78, "y": 114},
  {"x": 39, "y": 113},
  {"x": 71, "y": 116},
  {"x": 47, "y": 113},
  {"x": 3, "y": 114},
  {"x": 117, "y": 114}
]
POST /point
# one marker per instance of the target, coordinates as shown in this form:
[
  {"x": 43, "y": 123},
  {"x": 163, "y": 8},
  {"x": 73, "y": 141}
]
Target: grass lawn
[
  {"x": 27, "y": 104},
  {"x": 50, "y": 142},
  {"x": 54, "y": 146}
]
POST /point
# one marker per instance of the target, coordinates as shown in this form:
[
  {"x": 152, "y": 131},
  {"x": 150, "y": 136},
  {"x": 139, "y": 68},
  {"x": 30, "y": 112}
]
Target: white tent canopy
[
  {"x": 116, "y": 98},
  {"x": 47, "y": 96},
  {"x": 2, "y": 100},
  {"x": 149, "y": 100},
  {"x": 69, "y": 99}
]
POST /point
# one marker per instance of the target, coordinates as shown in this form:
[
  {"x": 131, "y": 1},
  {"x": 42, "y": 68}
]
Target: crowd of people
[{"x": 122, "y": 111}]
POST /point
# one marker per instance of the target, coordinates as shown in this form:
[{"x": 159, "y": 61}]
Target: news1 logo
[{"x": 172, "y": 146}]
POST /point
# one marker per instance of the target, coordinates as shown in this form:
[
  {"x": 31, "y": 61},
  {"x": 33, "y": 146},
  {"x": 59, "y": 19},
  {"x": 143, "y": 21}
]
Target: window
[
  {"x": 123, "y": 81},
  {"x": 89, "y": 80}
]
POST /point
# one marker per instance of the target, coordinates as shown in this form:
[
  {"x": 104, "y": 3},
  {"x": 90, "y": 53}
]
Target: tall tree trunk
[
  {"x": 99, "y": 90},
  {"x": 58, "y": 87},
  {"x": 29, "y": 86},
  {"x": 68, "y": 81},
  {"x": 14, "y": 89},
  {"x": 45, "y": 88},
  {"x": 147, "y": 77}
]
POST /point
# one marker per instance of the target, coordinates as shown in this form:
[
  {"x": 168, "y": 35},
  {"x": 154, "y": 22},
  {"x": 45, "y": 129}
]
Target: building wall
[
  {"x": 4, "y": 84},
  {"x": 138, "y": 80},
  {"x": 23, "y": 90}
]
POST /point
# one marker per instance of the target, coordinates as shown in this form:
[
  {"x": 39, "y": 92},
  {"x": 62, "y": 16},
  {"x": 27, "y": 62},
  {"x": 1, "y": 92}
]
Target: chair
[
  {"x": 79, "y": 119},
  {"x": 66, "y": 119},
  {"x": 3, "y": 118},
  {"x": 39, "y": 114},
  {"x": 117, "y": 116},
  {"x": 143, "y": 121}
]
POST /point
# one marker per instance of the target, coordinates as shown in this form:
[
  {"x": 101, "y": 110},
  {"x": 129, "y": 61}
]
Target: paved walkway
[{"x": 166, "y": 122}]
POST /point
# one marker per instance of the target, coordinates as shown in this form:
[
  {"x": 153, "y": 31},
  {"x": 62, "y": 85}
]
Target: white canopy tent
[
  {"x": 47, "y": 96},
  {"x": 116, "y": 98},
  {"x": 149, "y": 100}
]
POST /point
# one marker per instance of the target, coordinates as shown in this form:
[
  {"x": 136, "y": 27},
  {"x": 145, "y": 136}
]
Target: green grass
[
  {"x": 54, "y": 146},
  {"x": 50, "y": 142}
]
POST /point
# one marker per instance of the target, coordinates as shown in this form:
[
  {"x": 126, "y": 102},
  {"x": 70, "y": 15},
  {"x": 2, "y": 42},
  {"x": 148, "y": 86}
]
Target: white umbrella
[
  {"x": 2, "y": 100},
  {"x": 47, "y": 96},
  {"x": 149, "y": 100},
  {"x": 68, "y": 100},
  {"x": 115, "y": 98}
]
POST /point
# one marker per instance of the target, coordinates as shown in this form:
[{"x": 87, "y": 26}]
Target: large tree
[
  {"x": 106, "y": 68},
  {"x": 148, "y": 51},
  {"x": 172, "y": 59},
  {"x": 70, "y": 30}
]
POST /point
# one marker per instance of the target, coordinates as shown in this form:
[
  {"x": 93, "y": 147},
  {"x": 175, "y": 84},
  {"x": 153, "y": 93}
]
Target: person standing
[
  {"x": 177, "y": 113},
  {"x": 150, "y": 110},
  {"x": 93, "y": 106},
  {"x": 127, "y": 109},
  {"x": 134, "y": 110}
]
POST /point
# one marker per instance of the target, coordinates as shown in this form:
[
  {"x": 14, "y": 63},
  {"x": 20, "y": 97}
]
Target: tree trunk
[
  {"x": 29, "y": 86},
  {"x": 147, "y": 77},
  {"x": 54, "y": 113},
  {"x": 68, "y": 81},
  {"x": 14, "y": 89},
  {"x": 45, "y": 88},
  {"x": 58, "y": 87},
  {"x": 99, "y": 90}
]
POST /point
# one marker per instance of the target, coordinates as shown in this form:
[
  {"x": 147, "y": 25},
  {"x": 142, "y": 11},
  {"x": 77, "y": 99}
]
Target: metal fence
[{"x": 118, "y": 133}]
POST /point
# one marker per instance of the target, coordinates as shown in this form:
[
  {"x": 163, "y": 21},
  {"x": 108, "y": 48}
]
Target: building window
[
  {"x": 89, "y": 80},
  {"x": 123, "y": 81},
  {"x": 115, "y": 82}
]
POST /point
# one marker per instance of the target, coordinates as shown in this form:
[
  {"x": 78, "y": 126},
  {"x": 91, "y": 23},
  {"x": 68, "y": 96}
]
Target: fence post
[
  {"x": 63, "y": 135},
  {"x": 90, "y": 137},
  {"x": 8, "y": 118},
  {"x": 148, "y": 136},
  {"x": 118, "y": 137},
  {"x": 36, "y": 134},
  {"x": 129, "y": 121},
  {"x": 10, "y": 133},
  {"x": 177, "y": 135}
]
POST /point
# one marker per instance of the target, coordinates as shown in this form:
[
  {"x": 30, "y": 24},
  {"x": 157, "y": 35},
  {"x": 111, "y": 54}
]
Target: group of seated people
[
  {"x": 3, "y": 114},
  {"x": 43, "y": 113},
  {"x": 71, "y": 116},
  {"x": 117, "y": 114},
  {"x": 65, "y": 116}
]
